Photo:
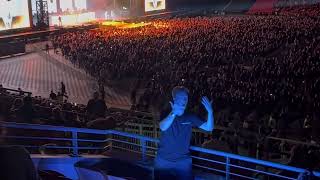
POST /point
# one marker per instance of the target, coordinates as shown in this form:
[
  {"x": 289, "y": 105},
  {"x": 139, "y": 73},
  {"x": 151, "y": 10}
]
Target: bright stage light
[
  {"x": 73, "y": 19},
  {"x": 124, "y": 25}
]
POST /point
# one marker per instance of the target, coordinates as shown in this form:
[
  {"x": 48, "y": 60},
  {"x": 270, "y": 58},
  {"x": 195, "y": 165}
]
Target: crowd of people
[
  {"x": 24, "y": 108},
  {"x": 20, "y": 106},
  {"x": 292, "y": 3},
  {"x": 260, "y": 67},
  {"x": 262, "y": 73},
  {"x": 304, "y": 10},
  {"x": 301, "y": 8}
]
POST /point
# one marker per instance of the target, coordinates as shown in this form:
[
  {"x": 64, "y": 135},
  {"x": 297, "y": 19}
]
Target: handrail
[
  {"x": 65, "y": 111},
  {"x": 15, "y": 90},
  {"x": 133, "y": 136},
  {"x": 292, "y": 141},
  {"x": 51, "y": 128},
  {"x": 144, "y": 146},
  {"x": 243, "y": 158},
  {"x": 73, "y": 129},
  {"x": 218, "y": 127},
  {"x": 130, "y": 111},
  {"x": 316, "y": 173}
]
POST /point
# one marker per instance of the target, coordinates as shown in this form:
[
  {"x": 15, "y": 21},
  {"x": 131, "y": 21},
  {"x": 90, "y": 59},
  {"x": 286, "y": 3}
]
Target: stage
[{"x": 30, "y": 34}]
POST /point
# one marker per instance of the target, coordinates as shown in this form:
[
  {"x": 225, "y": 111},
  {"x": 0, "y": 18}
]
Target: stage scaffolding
[{"x": 42, "y": 14}]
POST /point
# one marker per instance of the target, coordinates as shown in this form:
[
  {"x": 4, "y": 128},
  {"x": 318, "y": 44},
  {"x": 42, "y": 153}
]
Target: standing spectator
[
  {"x": 173, "y": 159},
  {"x": 55, "y": 47},
  {"x": 60, "y": 21},
  {"x": 102, "y": 91},
  {"x": 133, "y": 96},
  {"x": 47, "y": 48},
  {"x": 63, "y": 88}
]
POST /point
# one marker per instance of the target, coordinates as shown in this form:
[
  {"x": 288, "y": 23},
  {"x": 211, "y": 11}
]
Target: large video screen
[
  {"x": 14, "y": 14},
  {"x": 154, "y": 5},
  {"x": 77, "y": 12}
]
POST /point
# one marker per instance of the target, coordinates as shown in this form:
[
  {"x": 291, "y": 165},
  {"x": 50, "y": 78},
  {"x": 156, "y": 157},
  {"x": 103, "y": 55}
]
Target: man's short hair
[{"x": 179, "y": 90}]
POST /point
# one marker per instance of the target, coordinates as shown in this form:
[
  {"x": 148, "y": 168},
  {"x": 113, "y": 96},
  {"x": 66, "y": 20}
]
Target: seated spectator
[
  {"x": 21, "y": 93},
  {"x": 219, "y": 144},
  {"x": 102, "y": 123},
  {"x": 53, "y": 95},
  {"x": 57, "y": 117},
  {"x": 17, "y": 103},
  {"x": 15, "y": 163},
  {"x": 2, "y": 90},
  {"x": 96, "y": 107},
  {"x": 61, "y": 96},
  {"x": 26, "y": 112}
]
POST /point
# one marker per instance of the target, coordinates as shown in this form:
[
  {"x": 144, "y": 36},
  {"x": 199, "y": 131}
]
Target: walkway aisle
[
  {"x": 40, "y": 73},
  {"x": 113, "y": 98}
]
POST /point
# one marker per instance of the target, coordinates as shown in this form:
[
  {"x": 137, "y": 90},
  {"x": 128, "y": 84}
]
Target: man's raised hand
[
  {"x": 174, "y": 109},
  {"x": 207, "y": 104}
]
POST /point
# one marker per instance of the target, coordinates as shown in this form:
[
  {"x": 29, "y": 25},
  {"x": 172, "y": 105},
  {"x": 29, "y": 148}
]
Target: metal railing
[
  {"x": 148, "y": 128},
  {"x": 233, "y": 165},
  {"x": 15, "y": 91}
]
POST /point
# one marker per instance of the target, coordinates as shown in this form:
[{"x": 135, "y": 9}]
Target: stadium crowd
[
  {"x": 295, "y": 3},
  {"x": 300, "y": 8},
  {"x": 260, "y": 67},
  {"x": 305, "y": 10},
  {"x": 262, "y": 73}
]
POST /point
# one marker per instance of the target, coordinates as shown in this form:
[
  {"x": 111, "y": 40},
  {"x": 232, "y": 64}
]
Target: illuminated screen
[
  {"x": 81, "y": 4},
  {"x": 154, "y": 5},
  {"x": 14, "y": 14},
  {"x": 77, "y": 12},
  {"x": 52, "y": 6},
  {"x": 72, "y": 12},
  {"x": 66, "y": 5}
]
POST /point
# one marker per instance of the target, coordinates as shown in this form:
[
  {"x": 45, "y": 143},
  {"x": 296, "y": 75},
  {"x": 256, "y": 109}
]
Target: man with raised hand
[{"x": 173, "y": 159}]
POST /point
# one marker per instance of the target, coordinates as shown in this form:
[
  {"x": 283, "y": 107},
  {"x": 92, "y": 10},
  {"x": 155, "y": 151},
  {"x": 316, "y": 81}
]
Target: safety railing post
[
  {"x": 143, "y": 149},
  {"x": 110, "y": 141},
  {"x": 75, "y": 149},
  {"x": 227, "y": 168},
  {"x": 140, "y": 130},
  {"x": 304, "y": 175}
]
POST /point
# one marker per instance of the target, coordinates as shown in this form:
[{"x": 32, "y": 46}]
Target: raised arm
[
  {"x": 209, "y": 125},
  {"x": 166, "y": 122}
]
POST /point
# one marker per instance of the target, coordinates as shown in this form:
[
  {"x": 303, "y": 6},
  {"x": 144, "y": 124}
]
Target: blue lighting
[{"x": 65, "y": 164}]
